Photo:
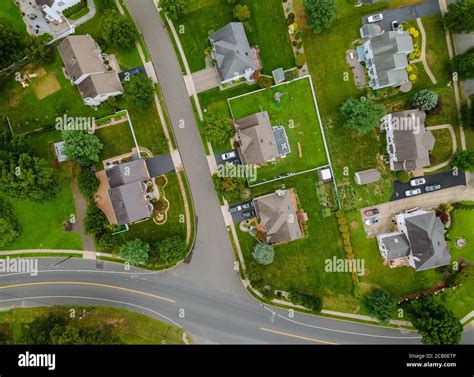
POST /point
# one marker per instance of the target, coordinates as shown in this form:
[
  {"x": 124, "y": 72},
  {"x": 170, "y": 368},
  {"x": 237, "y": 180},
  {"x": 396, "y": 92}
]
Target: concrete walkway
[
  {"x": 41, "y": 251},
  {"x": 86, "y": 17},
  {"x": 454, "y": 147},
  {"x": 81, "y": 204},
  {"x": 423, "y": 52}
]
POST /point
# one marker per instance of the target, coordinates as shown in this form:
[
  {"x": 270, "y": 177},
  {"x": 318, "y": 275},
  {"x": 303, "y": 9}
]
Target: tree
[
  {"x": 242, "y": 12},
  {"x": 95, "y": 222},
  {"x": 173, "y": 8},
  {"x": 27, "y": 177},
  {"x": 320, "y": 14},
  {"x": 118, "y": 31},
  {"x": 139, "y": 90},
  {"x": 457, "y": 19},
  {"x": 9, "y": 226},
  {"x": 231, "y": 2},
  {"x": 361, "y": 116},
  {"x": 37, "y": 51},
  {"x": 231, "y": 188},
  {"x": 81, "y": 147},
  {"x": 135, "y": 252},
  {"x": 464, "y": 160},
  {"x": 436, "y": 323},
  {"x": 463, "y": 64},
  {"x": 310, "y": 302},
  {"x": 171, "y": 250},
  {"x": 12, "y": 45},
  {"x": 424, "y": 99},
  {"x": 380, "y": 304},
  {"x": 263, "y": 253},
  {"x": 217, "y": 129},
  {"x": 87, "y": 182}
]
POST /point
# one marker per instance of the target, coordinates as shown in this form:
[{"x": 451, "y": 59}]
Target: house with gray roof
[
  {"x": 418, "y": 242},
  {"x": 86, "y": 68},
  {"x": 53, "y": 9},
  {"x": 370, "y": 30},
  {"x": 366, "y": 177},
  {"x": 385, "y": 57},
  {"x": 277, "y": 216},
  {"x": 408, "y": 141},
  {"x": 256, "y": 139},
  {"x": 233, "y": 56}
]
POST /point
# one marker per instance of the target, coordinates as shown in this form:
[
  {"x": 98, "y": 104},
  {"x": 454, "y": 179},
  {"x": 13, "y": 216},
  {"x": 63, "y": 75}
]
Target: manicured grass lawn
[
  {"x": 297, "y": 113},
  {"x": 300, "y": 264},
  {"x": 267, "y": 21},
  {"x": 462, "y": 226},
  {"x": 11, "y": 12},
  {"x": 131, "y": 327},
  {"x": 116, "y": 139},
  {"x": 443, "y": 147}
]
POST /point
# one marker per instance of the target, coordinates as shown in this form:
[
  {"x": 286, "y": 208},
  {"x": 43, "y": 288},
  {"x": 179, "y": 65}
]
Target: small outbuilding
[
  {"x": 278, "y": 75},
  {"x": 59, "y": 149},
  {"x": 367, "y": 176}
]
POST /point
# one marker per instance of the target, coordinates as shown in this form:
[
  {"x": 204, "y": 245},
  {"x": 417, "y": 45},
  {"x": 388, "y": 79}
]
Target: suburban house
[
  {"x": 87, "y": 70},
  {"x": 53, "y": 9},
  {"x": 385, "y": 57},
  {"x": 418, "y": 242},
  {"x": 235, "y": 59},
  {"x": 277, "y": 216},
  {"x": 258, "y": 141},
  {"x": 366, "y": 177},
  {"x": 128, "y": 191},
  {"x": 408, "y": 142}
]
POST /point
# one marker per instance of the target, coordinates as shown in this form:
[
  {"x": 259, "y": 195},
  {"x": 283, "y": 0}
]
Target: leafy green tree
[
  {"x": 436, "y": 323},
  {"x": 12, "y": 44},
  {"x": 13, "y": 145},
  {"x": 216, "y": 129},
  {"x": 37, "y": 51},
  {"x": 231, "y": 188},
  {"x": 9, "y": 226},
  {"x": 310, "y": 302},
  {"x": 135, "y": 252},
  {"x": 82, "y": 147},
  {"x": 242, "y": 12},
  {"x": 87, "y": 182},
  {"x": 457, "y": 19},
  {"x": 139, "y": 90},
  {"x": 463, "y": 64},
  {"x": 27, "y": 177},
  {"x": 361, "y": 116},
  {"x": 95, "y": 222},
  {"x": 171, "y": 250},
  {"x": 320, "y": 14},
  {"x": 173, "y": 8},
  {"x": 230, "y": 2},
  {"x": 424, "y": 99},
  {"x": 464, "y": 160},
  {"x": 380, "y": 304},
  {"x": 118, "y": 31},
  {"x": 263, "y": 253}
]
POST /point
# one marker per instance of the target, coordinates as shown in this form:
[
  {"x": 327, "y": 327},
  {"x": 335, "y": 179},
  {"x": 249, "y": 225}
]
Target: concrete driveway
[
  {"x": 235, "y": 160},
  {"x": 427, "y": 201},
  {"x": 406, "y": 13},
  {"x": 205, "y": 79},
  {"x": 238, "y": 216},
  {"x": 446, "y": 179}
]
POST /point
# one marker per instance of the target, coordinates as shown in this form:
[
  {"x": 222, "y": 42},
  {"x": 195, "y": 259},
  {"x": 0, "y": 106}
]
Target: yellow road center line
[
  {"x": 87, "y": 283},
  {"x": 296, "y": 336}
]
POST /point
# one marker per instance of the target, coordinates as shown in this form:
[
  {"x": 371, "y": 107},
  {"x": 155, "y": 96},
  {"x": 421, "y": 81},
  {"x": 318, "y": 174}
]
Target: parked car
[
  {"x": 413, "y": 192},
  {"x": 247, "y": 205},
  {"x": 248, "y": 214},
  {"x": 375, "y": 17},
  {"x": 395, "y": 25},
  {"x": 228, "y": 155},
  {"x": 372, "y": 221},
  {"x": 32, "y": 16},
  {"x": 235, "y": 209},
  {"x": 417, "y": 182},
  {"x": 432, "y": 187},
  {"x": 371, "y": 212}
]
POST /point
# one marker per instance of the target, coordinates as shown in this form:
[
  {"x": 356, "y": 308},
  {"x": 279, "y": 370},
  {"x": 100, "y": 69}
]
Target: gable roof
[
  {"x": 255, "y": 135},
  {"x": 128, "y": 202},
  {"x": 365, "y": 177},
  {"x": 100, "y": 83},
  {"x": 127, "y": 172},
  {"x": 277, "y": 214},
  {"x": 232, "y": 51}
]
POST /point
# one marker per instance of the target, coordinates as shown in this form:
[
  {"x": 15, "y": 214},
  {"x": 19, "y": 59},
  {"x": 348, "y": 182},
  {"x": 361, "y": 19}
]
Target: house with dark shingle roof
[
  {"x": 418, "y": 242},
  {"x": 385, "y": 57},
  {"x": 233, "y": 56},
  {"x": 277, "y": 215},
  {"x": 408, "y": 142}
]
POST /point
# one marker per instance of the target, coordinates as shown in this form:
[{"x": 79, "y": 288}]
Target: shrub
[
  {"x": 216, "y": 128},
  {"x": 263, "y": 253},
  {"x": 412, "y": 77},
  {"x": 380, "y": 304},
  {"x": 87, "y": 182},
  {"x": 310, "y": 302},
  {"x": 242, "y": 12},
  {"x": 343, "y": 229},
  {"x": 139, "y": 90},
  {"x": 265, "y": 82},
  {"x": 402, "y": 176},
  {"x": 342, "y": 221},
  {"x": 424, "y": 99},
  {"x": 170, "y": 250},
  {"x": 135, "y": 252},
  {"x": 9, "y": 226},
  {"x": 300, "y": 60},
  {"x": 361, "y": 116}
]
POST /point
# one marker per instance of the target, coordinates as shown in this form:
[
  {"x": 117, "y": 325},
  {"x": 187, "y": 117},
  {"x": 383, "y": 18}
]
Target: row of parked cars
[
  {"x": 246, "y": 210},
  {"x": 420, "y": 182}
]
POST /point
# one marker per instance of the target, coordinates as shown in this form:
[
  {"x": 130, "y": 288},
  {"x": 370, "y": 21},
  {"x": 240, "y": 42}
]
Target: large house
[
  {"x": 385, "y": 57},
  {"x": 408, "y": 142},
  {"x": 235, "y": 59},
  {"x": 418, "y": 242},
  {"x": 53, "y": 9},
  {"x": 278, "y": 218},
  {"x": 128, "y": 191},
  {"x": 87, "y": 70}
]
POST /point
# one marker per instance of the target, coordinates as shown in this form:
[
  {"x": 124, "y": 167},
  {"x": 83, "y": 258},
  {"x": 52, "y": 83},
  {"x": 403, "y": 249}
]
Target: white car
[
  {"x": 417, "y": 182},
  {"x": 228, "y": 155},
  {"x": 413, "y": 192},
  {"x": 375, "y": 17}
]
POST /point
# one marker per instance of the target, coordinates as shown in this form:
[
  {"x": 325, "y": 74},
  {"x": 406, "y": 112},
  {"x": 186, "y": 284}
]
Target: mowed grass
[
  {"x": 297, "y": 114},
  {"x": 116, "y": 140},
  {"x": 301, "y": 264},
  {"x": 131, "y": 327},
  {"x": 267, "y": 21},
  {"x": 443, "y": 147},
  {"x": 11, "y": 12}
]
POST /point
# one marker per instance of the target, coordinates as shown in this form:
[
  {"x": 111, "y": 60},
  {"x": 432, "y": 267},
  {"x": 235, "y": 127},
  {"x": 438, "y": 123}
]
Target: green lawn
[
  {"x": 116, "y": 139},
  {"x": 462, "y": 226},
  {"x": 130, "y": 326},
  {"x": 297, "y": 113},
  {"x": 11, "y": 12},
  {"x": 267, "y": 21},
  {"x": 443, "y": 147}
]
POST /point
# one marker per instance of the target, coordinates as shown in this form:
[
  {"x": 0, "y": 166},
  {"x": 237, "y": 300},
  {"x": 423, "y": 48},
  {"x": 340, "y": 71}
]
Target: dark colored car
[{"x": 248, "y": 214}]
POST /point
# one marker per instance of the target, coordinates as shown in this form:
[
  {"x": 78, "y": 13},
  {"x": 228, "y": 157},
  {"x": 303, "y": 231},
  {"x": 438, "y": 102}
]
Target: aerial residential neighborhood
[{"x": 227, "y": 159}]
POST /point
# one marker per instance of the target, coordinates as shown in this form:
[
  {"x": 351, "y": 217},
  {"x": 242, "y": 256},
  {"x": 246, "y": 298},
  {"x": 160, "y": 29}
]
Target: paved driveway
[
  {"x": 406, "y": 13},
  {"x": 235, "y": 160},
  {"x": 238, "y": 216},
  {"x": 446, "y": 179},
  {"x": 205, "y": 79}
]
